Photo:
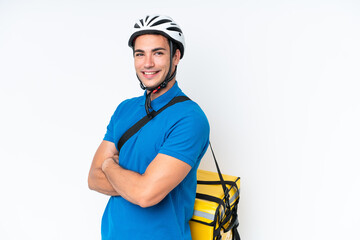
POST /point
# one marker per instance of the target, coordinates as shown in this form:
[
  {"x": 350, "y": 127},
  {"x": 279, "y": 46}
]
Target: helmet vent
[
  {"x": 174, "y": 29},
  {"x": 152, "y": 19},
  {"x": 142, "y": 22},
  {"x": 136, "y": 25},
  {"x": 161, "y": 22}
]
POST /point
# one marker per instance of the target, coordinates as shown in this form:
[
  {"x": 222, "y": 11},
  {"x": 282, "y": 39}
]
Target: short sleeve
[
  {"x": 109, "y": 135},
  {"x": 188, "y": 139}
]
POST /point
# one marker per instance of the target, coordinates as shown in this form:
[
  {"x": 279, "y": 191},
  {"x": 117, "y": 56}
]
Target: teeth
[{"x": 149, "y": 73}]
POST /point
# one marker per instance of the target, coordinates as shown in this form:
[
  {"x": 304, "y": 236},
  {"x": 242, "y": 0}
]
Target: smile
[{"x": 150, "y": 73}]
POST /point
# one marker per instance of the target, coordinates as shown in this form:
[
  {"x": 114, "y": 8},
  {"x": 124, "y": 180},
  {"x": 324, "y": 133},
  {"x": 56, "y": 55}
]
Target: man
[{"x": 152, "y": 180}]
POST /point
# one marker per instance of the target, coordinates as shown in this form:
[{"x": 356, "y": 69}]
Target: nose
[{"x": 149, "y": 62}]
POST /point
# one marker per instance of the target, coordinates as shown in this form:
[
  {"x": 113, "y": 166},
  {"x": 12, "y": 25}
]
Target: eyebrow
[{"x": 152, "y": 50}]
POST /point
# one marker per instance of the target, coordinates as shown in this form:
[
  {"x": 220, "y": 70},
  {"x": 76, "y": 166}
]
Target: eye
[
  {"x": 139, "y": 54},
  {"x": 159, "y": 53}
]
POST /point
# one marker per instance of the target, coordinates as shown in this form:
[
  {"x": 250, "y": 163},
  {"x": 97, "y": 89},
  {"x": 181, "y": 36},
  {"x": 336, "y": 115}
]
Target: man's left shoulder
[
  {"x": 193, "y": 108},
  {"x": 189, "y": 111}
]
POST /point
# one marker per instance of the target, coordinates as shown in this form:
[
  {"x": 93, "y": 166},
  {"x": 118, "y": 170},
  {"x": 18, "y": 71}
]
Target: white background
[{"x": 278, "y": 80}]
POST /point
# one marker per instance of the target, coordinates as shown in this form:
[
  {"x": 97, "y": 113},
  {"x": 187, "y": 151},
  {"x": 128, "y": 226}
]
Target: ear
[{"x": 176, "y": 57}]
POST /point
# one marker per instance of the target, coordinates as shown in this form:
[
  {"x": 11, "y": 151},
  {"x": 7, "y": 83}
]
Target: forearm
[
  {"x": 98, "y": 182},
  {"x": 162, "y": 175},
  {"x": 125, "y": 183}
]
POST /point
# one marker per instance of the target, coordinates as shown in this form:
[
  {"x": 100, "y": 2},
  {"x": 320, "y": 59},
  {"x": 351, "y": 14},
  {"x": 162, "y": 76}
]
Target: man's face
[{"x": 152, "y": 59}]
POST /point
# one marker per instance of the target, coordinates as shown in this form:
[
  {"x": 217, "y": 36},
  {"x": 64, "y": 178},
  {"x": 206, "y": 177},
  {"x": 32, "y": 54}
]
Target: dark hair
[{"x": 175, "y": 47}]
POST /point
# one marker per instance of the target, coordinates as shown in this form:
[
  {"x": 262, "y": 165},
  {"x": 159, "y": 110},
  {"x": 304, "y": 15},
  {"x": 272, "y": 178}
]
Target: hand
[
  {"x": 109, "y": 161},
  {"x": 116, "y": 158}
]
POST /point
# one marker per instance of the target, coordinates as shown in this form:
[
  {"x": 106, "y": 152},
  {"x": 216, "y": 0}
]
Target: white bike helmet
[{"x": 159, "y": 24}]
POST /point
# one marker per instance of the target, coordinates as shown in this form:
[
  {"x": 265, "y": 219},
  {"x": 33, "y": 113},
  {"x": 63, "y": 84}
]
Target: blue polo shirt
[{"x": 180, "y": 131}]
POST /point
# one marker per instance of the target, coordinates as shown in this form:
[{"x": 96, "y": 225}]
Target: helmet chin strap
[{"x": 168, "y": 78}]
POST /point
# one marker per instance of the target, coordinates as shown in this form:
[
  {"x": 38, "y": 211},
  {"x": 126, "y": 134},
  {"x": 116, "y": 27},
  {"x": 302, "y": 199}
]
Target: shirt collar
[{"x": 162, "y": 100}]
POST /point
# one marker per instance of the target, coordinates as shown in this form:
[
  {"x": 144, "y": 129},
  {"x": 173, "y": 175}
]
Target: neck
[{"x": 162, "y": 90}]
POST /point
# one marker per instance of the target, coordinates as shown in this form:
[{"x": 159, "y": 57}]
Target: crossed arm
[{"x": 162, "y": 175}]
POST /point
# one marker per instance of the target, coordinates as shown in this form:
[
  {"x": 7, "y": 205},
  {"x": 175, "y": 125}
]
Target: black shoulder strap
[
  {"x": 142, "y": 122},
  {"x": 226, "y": 190}
]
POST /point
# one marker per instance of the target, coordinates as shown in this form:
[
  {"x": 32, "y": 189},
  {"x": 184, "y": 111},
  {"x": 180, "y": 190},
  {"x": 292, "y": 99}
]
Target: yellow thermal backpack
[{"x": 215, "y": 210}]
